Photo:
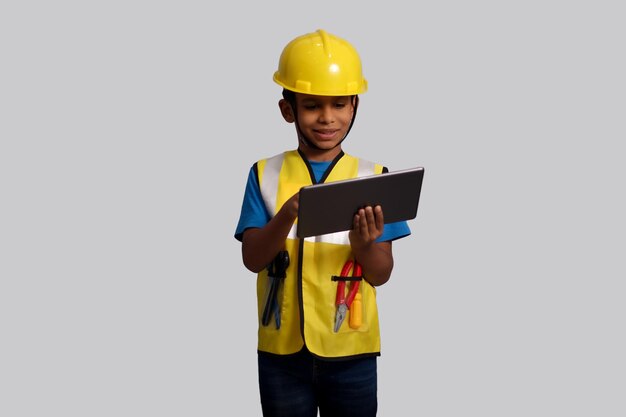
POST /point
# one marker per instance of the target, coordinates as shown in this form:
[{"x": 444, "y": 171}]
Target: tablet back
[{"x": 330, "y": 207}]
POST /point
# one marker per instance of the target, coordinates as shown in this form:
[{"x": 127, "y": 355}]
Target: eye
[
  {"x": 340, "y": 105},
  {"x": 309, "y": 106}
]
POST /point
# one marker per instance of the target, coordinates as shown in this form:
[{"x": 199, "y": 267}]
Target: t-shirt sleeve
[
  {"x": 394, "y": 231},
  {"x": 253, "y": 210}
]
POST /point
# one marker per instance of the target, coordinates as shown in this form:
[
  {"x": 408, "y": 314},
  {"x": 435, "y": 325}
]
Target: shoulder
[
  {"x": 274, "y": 158},
  {"x": 271, "y": 164},
  {"x": 366, "y": 166}
]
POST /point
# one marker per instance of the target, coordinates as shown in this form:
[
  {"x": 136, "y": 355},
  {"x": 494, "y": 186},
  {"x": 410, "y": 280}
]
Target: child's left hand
[{"x": 367, "y": 226}]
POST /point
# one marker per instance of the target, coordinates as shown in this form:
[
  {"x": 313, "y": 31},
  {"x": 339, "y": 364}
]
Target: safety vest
[{"x": 307, "y": 294}]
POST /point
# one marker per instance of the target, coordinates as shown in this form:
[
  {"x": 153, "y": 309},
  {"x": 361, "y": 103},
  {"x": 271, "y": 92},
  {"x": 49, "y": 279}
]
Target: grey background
[{"x": 127, "y": 131}]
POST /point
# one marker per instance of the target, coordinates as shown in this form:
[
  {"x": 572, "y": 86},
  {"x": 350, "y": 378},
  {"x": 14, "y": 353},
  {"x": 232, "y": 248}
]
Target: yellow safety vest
[{"x": 307, "y": 295}]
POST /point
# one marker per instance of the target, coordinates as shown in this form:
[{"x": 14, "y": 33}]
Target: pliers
[
  {"x": 343, "y": 303},
  {"x": 276, "y": 272}
]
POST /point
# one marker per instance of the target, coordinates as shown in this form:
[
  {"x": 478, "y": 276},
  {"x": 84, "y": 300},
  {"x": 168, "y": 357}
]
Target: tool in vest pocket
[
  {"x": 343, "y": 303},
  {"x": 356, "y": 312},
  {"x": 276, "y": 272}
]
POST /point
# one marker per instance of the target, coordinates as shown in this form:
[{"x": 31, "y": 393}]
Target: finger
[
  {"x": 371, "y": 220},
  {"x": 364, "y": 231},
  {"x": 380, "y": 219},
  {"x": 373, "y": 224},
  {"x": 356, "y": 221}
]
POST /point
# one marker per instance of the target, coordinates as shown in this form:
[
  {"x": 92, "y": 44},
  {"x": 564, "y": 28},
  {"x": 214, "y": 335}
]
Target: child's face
[{"x": 324, "y": 120}]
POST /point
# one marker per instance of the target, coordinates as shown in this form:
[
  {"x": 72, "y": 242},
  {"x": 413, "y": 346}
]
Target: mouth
[{"x": 326, "y": 134}]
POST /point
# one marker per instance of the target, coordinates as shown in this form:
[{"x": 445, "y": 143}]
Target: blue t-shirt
[{"x": 254, "y": 213}]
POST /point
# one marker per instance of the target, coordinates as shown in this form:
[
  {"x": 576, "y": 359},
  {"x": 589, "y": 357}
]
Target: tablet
[{"x": 330, "y": 207}]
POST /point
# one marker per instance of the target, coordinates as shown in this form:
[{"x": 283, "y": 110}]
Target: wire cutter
[{"x": 343, "y": 303}]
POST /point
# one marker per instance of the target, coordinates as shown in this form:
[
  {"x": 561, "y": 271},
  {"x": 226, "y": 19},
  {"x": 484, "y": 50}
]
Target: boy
[{"x": 309, "y": 357}]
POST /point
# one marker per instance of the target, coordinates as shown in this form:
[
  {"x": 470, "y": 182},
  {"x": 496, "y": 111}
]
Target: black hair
[{"x": 290, "y": 96}]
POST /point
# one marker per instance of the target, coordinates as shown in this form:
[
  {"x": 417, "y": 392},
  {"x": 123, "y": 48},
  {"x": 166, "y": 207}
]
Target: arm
[
  {"x": 260, "y": 245},
  {"x": 376, "y": 258}
]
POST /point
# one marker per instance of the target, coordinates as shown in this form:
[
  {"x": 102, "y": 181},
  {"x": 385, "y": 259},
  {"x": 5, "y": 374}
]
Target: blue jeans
[{"x": 297, "y": 385}]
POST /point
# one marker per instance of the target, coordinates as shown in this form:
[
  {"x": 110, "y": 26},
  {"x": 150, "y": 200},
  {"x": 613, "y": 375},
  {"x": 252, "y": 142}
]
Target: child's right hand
[
  {"x": 290, "y": 208},
  {"x": 260, "y": 245}
]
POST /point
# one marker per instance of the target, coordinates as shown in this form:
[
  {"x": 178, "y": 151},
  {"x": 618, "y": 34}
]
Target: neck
[{"x": 319, "y": 155}]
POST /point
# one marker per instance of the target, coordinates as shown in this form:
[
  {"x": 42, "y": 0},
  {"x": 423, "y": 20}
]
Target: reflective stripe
[
  {"x": 339, "y": 238},
  {"x": 365, "y": 168},
  {"x": 269, "y": 184}
]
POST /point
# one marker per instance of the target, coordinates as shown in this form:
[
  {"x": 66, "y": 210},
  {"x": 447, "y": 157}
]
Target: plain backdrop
[{"x": 127, "y": 131}]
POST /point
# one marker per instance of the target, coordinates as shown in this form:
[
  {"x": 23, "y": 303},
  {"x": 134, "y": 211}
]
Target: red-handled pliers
[{"x": 343, "y": 303}]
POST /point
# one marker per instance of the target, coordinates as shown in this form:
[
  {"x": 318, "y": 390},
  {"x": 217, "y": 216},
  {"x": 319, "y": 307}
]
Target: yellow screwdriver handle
[{"x": 356, "y": 312}]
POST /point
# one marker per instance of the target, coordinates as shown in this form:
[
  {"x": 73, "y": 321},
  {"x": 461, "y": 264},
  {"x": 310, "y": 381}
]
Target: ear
[{"x": 286, "y": 110}]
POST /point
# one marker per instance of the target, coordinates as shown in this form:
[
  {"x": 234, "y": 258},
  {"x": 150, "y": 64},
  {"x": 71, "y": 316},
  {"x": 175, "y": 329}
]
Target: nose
[{"x": 326, "y": 114}]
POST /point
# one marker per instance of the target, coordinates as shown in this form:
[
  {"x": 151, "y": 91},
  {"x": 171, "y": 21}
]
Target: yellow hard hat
[{"x": 321, "y": 64}]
